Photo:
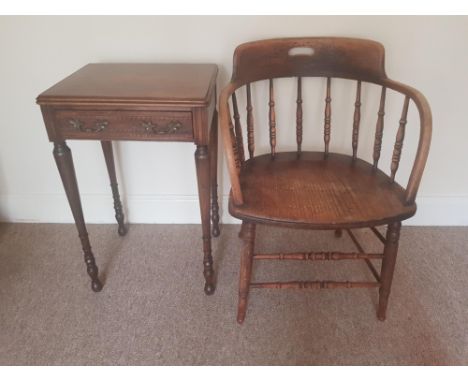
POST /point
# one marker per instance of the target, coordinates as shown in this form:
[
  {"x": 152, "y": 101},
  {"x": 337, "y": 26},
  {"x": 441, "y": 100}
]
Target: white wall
[{"x": 158, "y": 180}]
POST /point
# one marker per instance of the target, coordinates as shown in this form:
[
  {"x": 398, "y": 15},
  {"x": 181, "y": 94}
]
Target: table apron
[{"x": 124, "y": 125}]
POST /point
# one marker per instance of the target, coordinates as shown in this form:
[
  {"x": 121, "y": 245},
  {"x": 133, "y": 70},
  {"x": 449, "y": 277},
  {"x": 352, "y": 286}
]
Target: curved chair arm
[
  {"x": 224, "y": 124},
  {"x": 425, "y": 133}
]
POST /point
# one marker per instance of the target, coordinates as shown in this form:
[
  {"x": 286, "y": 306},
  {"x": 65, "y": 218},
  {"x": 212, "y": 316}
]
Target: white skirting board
[{"x": 184, "y": 209}]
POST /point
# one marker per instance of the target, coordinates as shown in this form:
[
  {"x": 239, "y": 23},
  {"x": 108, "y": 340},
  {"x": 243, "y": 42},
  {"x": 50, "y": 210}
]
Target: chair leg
[
  {"x": 388, "y": 266},
  {"x": 248, "y": 230},
  {"x": 241, "y": 231}
]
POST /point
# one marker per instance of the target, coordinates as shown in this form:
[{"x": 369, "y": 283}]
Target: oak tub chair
[{"x": 318, "y": 190}]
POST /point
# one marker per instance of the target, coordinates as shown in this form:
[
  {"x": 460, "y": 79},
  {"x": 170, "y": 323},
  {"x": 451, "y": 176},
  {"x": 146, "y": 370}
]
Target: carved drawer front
[{"x": 125, "y": 125}]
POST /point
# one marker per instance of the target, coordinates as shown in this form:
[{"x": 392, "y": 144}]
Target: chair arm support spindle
[
  {"x": 425, "y": 133},
  {"x": 238, "y": 130},
  {"x": 225, "y": 124}
]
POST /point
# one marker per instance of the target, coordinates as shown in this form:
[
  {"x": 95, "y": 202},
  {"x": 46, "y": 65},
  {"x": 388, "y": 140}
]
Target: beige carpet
[{"x": 153, "y": 310}]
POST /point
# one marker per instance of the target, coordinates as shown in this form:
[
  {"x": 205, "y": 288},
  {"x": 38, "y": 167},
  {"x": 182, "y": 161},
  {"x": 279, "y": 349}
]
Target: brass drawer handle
[
  {"x": 78, "y": 125},
  {"x": 171, "y": 128}
]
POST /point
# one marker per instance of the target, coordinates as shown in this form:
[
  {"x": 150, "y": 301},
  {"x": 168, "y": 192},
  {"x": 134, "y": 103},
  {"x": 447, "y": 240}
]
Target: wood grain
[
  {"x": 332, "y": 57},
  {"x": 135, "y": 83},
  {"x": 314, "y": 192}
]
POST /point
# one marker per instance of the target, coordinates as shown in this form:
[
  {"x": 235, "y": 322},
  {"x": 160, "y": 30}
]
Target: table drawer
[{"x": 125, "y": 125}]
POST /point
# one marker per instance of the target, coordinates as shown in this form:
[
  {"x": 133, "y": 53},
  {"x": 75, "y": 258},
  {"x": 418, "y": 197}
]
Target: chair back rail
[
  {"x": 360, "y": 60},
  {"x": 309, "y": 57}
]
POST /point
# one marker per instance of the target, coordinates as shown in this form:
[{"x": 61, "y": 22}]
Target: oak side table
[{"x": 139, "y": 102}]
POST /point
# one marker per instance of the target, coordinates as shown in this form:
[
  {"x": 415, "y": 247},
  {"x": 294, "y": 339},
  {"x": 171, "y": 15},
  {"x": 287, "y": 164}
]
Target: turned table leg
[
  {"x": 214, "y": 175},
  {"x": 109, "y": 157},
  {"x": 64, "y": 160},
  {"x": 202, "y": 161}
]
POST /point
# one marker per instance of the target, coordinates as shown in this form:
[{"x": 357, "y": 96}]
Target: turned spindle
[
  {"x": 379, "y": 128},
  {"x": 315, "y": 285},
  {"x": 234, "y": 142},
  {"x": 399, "y": 139},
  {"x": 238, "y": 129},
  {"x": 327, "y": 125},
  {"x": 356, "y": 119},
  {"x": 317, "y": 256},
  {"x": 272, "y": 120},
  {"x": 250, "y": 124},
  {"x": 299, "y": 114}
]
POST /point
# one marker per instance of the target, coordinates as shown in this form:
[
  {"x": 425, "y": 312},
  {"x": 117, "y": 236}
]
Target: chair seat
[{"x": 314, "y": 192}]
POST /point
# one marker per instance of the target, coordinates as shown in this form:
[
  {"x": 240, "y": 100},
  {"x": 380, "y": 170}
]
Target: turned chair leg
[
  {"x": 388, "y": 266},
  {"x": 241, "y": 231},
  {"x": 248, "y": 236}
]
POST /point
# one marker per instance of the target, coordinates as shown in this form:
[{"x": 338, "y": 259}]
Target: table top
[{"x": 184, "y": 84}]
